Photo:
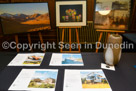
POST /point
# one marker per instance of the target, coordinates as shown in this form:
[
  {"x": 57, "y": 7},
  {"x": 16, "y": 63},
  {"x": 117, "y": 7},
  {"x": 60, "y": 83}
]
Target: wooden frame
[
  {"x": 16, "y": 39},
  {"x": 41, "y": 39},
  {"x": 70, "y": 50},
  {"x": 29, "y": 40}
]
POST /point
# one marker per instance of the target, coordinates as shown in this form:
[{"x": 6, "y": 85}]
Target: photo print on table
[
  {"x": 93, "y": 79},
  {"x": 66, "y": 59},
  {"x": 72, "y": 59},
  {"x": 27, "y": 59},
  {"x": 43, "y": 79},
  {"x": 35, "y": 80},
  {"x": 85, "y": 80},
  {"x": 33, "y": 59}
]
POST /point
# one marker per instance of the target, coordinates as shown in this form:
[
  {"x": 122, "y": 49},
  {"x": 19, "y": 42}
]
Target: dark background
[
  {"x": 51, "y": 35},
  {"x": 63, "y": 8}
]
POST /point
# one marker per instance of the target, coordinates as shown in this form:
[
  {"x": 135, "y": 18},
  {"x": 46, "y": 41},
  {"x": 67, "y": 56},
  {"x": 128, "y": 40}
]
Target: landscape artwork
[
  {"x": 85, "y": 80},
  {"x": 66, "y": 59},
  {"x": 24, "y": 17},
  {"x": 112, "y": 14},
  {"x": 93, "y": 79},
  {"x": 33, "y": 59},
  {"x": 71, "y": 13},
  {"x": 72, "y": 59},
  {"x": 43, "y": 79}
]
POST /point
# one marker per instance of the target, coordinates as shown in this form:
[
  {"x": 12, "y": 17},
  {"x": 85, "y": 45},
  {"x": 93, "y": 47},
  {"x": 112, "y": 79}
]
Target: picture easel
[
  {"x": 16, "y": 39},
  {"x": 70, "y": 50},
  {"x": 101, "y": 34},
  {"x": 41, "y": 39},
  {"x": 29, "y": 40}
]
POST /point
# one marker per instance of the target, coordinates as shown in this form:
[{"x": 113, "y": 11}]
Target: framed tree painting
[
  {"x": 112, "y": 14},
  {"x": 71, "y": 13}
]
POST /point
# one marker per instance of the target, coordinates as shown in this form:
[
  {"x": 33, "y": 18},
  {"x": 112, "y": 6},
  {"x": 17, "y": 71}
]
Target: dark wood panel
[
  {"x": 133, "y": 18},
  {"x": 4, "y": 1},
  {"x": 90, "y": 10},
  {"x": 24, "y": 1},
  {"x": 0, "y": 30}
]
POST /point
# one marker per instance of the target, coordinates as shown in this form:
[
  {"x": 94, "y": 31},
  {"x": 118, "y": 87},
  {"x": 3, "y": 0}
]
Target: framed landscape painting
[
  {"x": 71, "y": 13},
  {"x": 24, "y": 17},
  {"x": 112, "y": 14}
]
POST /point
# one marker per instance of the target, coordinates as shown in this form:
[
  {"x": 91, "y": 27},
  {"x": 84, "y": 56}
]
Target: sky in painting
[
  {"x": 85, "y": 73},
  {"x": 45, "y": 74},
  {"x": 64, "y": 56},
  {"x": 24, "y": 8}
]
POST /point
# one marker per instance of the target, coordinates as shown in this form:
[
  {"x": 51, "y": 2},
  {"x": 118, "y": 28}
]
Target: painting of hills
[
  {"x": 24, "y": 17},
  {"x": 43, "y": 79}
]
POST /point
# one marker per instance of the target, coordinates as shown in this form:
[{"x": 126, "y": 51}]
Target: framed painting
[
  {"x": 24, "y": 17},
  {"x": 71, "y": 13},
  {"x": 112, "y": 14}
]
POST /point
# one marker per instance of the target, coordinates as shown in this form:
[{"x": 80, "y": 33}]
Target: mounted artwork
[
  {"x": 112, "y": 14},
  {"x": 24, "y": 17},
  {"x": 71, "y": 13}
]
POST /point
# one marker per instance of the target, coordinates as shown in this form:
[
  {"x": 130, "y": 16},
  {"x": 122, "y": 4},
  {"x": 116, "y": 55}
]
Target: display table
[{"x": 123, "y": 79}]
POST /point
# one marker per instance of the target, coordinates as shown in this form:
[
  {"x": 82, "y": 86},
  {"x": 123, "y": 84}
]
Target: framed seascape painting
[
  {"x": 112, "y": 14},
  {"x": 24, "y": 17},
  {"x": 71, "y": 13}
]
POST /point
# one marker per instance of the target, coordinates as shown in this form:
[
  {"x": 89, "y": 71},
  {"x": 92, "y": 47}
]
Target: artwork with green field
[{"x": 43, "y": 79}]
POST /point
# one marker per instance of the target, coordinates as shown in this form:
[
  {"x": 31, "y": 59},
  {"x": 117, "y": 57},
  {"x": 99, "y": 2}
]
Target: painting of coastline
[
  {"x": 72, "y": 59},
  {"x": 43, "y": 79},
  {"x": 24, "y": 17},
  {"x": 93, "y": 79},
  {"x": 33, "y": 59}
]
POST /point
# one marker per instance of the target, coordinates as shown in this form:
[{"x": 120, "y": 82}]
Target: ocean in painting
[
  {"x": 68, "y": 61},
  {"x": 72, "y": 59}
]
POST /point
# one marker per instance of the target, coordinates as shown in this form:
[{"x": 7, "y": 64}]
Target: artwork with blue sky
[
  {"x": 85, "y": 73},
  {"x": 43, "y": 79},
  {"x": 72, "y": 59},
  {"x": 76, "y": 56},
  {"x": 45, "y": 74},
  {"x": 24, "y": 17},
  {"x": 94, "y": 79},
  {"x": 25, "y": 8}
]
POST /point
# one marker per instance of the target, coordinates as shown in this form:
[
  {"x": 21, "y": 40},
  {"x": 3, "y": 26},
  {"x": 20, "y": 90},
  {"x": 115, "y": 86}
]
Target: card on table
[
  {"x": 35, "y": 79},
  {"x": 27, "y": 59},
  {"x": 85, "y": 80}
]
